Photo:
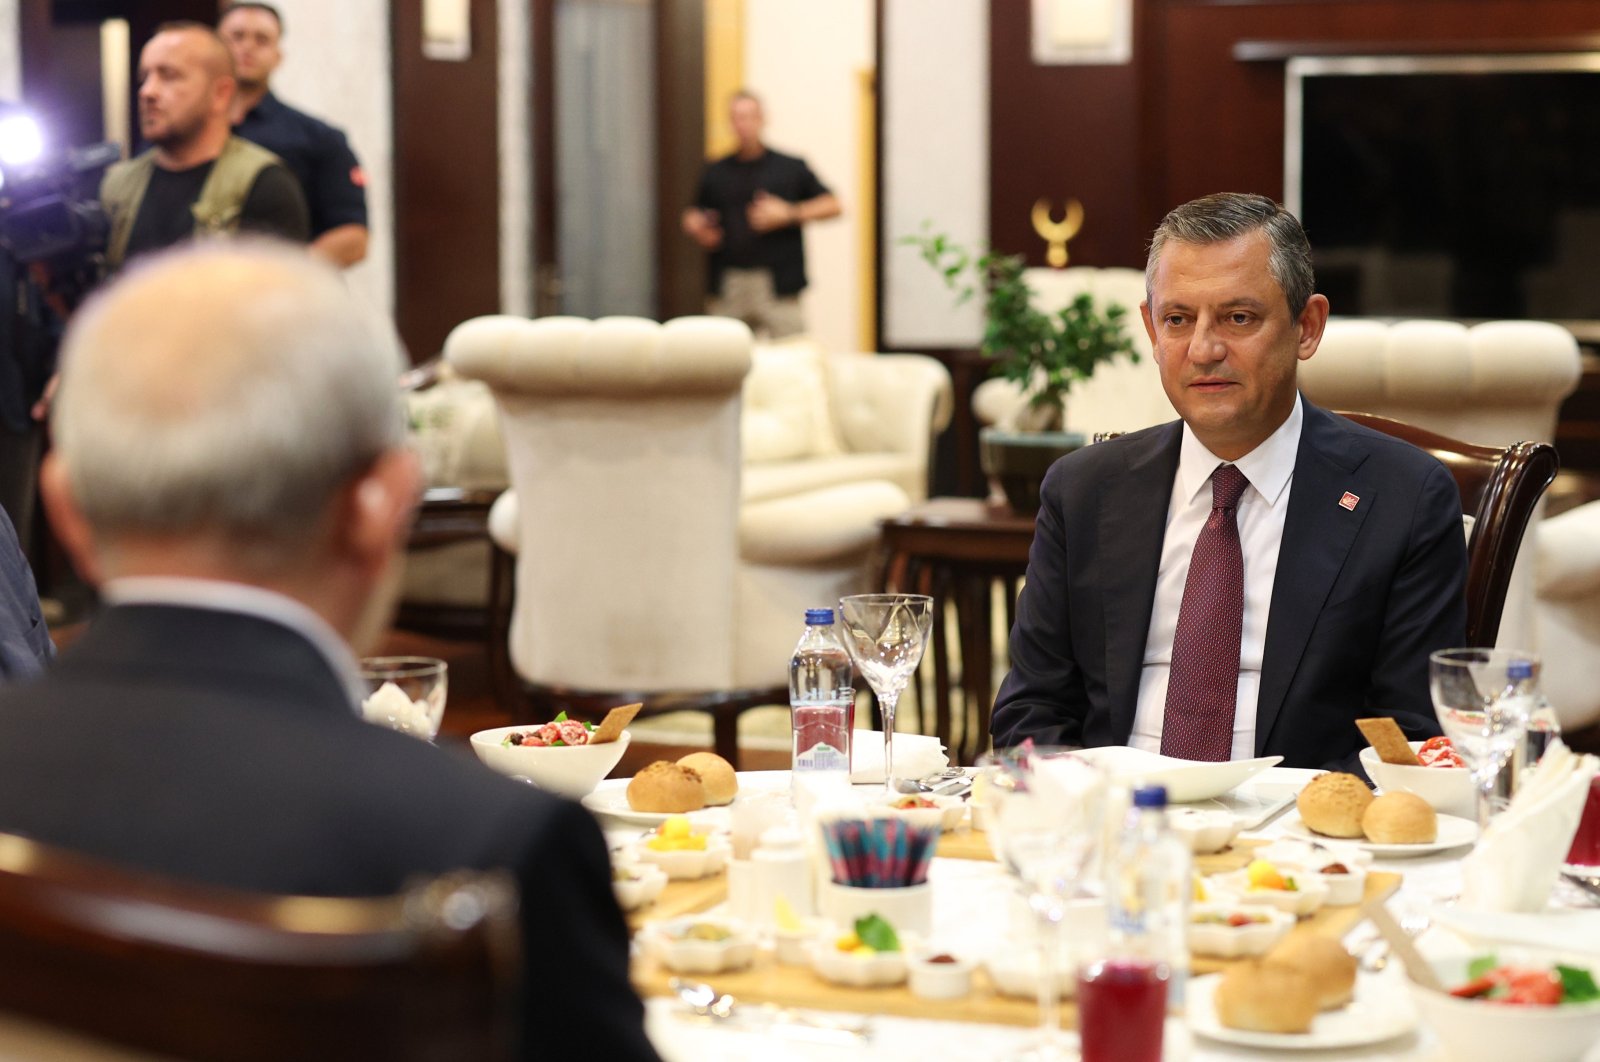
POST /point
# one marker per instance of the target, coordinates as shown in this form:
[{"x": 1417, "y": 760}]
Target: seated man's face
[{"x": 1225, "y": 342}]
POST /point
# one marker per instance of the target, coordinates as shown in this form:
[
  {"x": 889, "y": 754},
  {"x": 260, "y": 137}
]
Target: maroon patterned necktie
[{"x": 1203, "y": 683}]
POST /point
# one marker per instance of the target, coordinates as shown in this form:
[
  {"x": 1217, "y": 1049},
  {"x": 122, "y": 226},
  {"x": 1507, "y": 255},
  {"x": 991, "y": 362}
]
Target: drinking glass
[
  {"x": 1043, "y": 809},
  {"x": 405, "y": 693},
  {"x": 886, "y": 634},
  {"x": 1483, "y": 709}
]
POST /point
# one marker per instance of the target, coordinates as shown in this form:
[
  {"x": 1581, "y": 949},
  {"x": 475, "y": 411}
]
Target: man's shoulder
[
  {"x": 277, "y": 109},
  {"x": 1387, "y": 455}
]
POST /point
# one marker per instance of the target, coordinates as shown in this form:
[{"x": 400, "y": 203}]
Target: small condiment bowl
[
  {"x": 1308, "y": 895},
  {"x": 1205, "y": 830},
  {"x": 946, "y": 813},
  {"x": 854, "y": 969},
  {"x": 637, "y": 884},
  {"x": 670, "y": 945},
  {"x": 1222, "y": 941},
  {"x": 689, "y": 864},
  {"x": 933, "y": 979},
  {"x": 1344, "y": 890}
]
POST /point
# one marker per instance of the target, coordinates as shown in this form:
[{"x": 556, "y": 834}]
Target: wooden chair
[
  {"x": 1500, "y": 488},
  {"x": 98, "y": 962}
]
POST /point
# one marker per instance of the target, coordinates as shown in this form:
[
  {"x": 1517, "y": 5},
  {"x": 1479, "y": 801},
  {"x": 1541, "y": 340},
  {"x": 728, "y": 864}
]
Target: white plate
[
  {"x": 1453, "y": 833},
  {"x": 1558, "y": 929},
  {"x": 1380, "y": 1011},
  {"x": 1186, "y": 780},
  {"x": 610, "y": 798}
]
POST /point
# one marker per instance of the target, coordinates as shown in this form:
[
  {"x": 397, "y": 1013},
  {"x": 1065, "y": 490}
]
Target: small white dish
[
  {"x": 1219, "y": 940},
  {"x": 637, "y": 884},
  {"x": 1205, "y": 830},
  {"x": 1472, "y": 1030},
  {"x": 946, "y": 813},
  {"x": 940, "y": 980},
  {"x": 877, "y": 970},
  {"x": 1015, "y": 972},
  {"x": 1308, "y": 895},
  {"x": 1380, "y": 1011},
  {"x": 570, "y": 770},
  {"x": 1186, "y": 780},
  {"x": 908, "y": 909},
  {"x": 1344, "y": 890},
  {"x": 671, "y": 944},
  {"x": 1448, "y": 789},
  {"x": 1453, "y": 833},
  {"x": 689, "y": 864}
]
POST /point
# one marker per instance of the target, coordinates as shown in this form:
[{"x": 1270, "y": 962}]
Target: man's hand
[
  {"x": 41, "y": 408},
  {"x": 767, "y": 212},
  {"x": 343, "y": 245},
  {"x": 702, "y": 226}
]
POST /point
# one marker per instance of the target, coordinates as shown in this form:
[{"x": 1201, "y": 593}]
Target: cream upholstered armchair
[
  {"x": 649, "y": 563},
  {"x": 1494, "y": 384}
]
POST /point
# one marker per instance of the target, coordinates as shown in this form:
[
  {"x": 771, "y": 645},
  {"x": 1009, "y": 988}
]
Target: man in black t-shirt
[
  {"x": 317, "y": 153},
  {"x": 748, "y": 214},
  {"x": 197, "y": 179}
]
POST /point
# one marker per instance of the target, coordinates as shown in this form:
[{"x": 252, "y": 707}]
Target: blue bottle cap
[
  {"x": 819, "y": 617},
  {"x": 1518, "y": 670},
  {"x": 1150, "y": 796}
]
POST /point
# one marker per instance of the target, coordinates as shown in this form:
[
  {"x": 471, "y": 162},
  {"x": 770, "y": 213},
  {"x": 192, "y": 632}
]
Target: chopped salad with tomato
[
  {"x": 1526, "y": 986},
  {"x": 1439, "y": 752},
  {"x": 557, "y": 733}
]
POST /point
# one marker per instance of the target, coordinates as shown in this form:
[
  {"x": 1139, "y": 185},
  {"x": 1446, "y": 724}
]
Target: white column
[
  {"x": 516, "y": 159},
  {"x": 10, "y": 50}
]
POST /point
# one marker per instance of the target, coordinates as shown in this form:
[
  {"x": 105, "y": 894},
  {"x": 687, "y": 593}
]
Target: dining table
[{"x": 973, "y": 911}]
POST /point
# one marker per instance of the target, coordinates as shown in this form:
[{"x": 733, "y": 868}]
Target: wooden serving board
[{"x": 767, "y": 981}]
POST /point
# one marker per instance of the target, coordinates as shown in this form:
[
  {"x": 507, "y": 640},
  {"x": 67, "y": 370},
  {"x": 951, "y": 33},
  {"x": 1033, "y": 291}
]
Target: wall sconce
[{"x": 1082, "y": 31}]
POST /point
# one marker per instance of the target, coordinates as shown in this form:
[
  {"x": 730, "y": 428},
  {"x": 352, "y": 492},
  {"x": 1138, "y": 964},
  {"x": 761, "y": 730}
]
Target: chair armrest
[
  {"x": 503, "y": 516},
  {"x": 889, "y": 403},
  {"x": 1569, "y": 553}
]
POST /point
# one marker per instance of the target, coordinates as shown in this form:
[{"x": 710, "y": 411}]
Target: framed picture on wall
[{"x": 1082, "y": 32}]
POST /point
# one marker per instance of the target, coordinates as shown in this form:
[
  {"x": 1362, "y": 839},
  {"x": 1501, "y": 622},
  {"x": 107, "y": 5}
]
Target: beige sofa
[{"x": 690, "y": 497}]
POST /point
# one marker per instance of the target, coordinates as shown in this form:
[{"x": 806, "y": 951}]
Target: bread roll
[
  {"x": 1325, "y": 961},
  {"x": 1400, "y": 818},
  {"x": 666, "y": 788},
  {"x": 1333, "y": 804},
  {"x": 716, "y": 774},
  {"x": 1257, "y": 996}
]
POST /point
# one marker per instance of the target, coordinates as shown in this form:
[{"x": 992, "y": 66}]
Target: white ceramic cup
[{"x": 908, "y": 909}]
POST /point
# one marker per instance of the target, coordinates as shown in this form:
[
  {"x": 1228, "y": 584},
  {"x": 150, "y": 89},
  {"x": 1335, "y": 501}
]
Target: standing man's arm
[
  {"x": 1043, "y": 695},
  {"x": 338, "y": 190},
  {"x": 809, "y": 200},
  {"x": 702, "y": 222}
]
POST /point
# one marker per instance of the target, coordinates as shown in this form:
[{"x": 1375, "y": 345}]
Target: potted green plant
[{"x": 1044, "y": 354}]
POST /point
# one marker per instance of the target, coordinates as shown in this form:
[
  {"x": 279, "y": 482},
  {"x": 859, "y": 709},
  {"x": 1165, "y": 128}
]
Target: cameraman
[{"x": 198, "y": 179}]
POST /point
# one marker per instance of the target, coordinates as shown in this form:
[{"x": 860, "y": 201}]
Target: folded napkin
[
  {"x": 1518, "y": 857},
  {"x": 1558, "y": 930},
  {"x": 915, "y": 756}
]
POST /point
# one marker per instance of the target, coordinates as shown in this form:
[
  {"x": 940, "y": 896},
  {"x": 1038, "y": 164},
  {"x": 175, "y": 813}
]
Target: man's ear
[
  {"x": 1313, "y": 320},
  {"x": 380, "y": 507},
  {"x": 67, "y": 520}
]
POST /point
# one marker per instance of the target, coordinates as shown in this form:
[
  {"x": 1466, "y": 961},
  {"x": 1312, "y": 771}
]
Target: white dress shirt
[
  {"x": 1262, "y": 507},
  {"x": 247, "y": 600}
]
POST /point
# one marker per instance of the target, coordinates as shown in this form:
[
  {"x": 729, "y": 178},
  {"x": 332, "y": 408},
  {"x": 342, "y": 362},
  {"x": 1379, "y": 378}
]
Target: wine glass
[
  {"x": 1043, "y": 809},
  {"x": 1482, "y": 698},
  {"x": 886, "y": 634},
  {"x": 405, "y": 693}
]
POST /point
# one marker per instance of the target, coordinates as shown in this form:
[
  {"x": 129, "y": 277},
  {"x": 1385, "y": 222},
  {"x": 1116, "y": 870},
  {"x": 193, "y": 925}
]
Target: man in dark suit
[
  {"x": 230, "y": 468},
  {"x": 1253, "y": 578}
]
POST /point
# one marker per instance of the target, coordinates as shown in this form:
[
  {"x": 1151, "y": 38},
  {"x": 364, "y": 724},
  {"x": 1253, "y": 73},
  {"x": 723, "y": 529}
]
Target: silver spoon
[
  {"x": 1589, "y": 883},
  {"x": 702, "y": 998}
]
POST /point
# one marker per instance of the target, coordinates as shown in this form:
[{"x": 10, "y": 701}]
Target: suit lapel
[
  {"x": 1133, "y": 523},
  {"x": 1317, "y": 535}
]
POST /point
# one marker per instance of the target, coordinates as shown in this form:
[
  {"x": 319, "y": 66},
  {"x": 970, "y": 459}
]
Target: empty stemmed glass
[
  {"x": 886, "y": 634},
  {"x": 1043, "y": 810},
  {"x": 1482, "y": 698}
]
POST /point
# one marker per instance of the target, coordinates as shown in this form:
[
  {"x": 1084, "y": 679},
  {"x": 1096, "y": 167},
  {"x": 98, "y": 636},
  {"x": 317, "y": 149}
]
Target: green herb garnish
[
  {"x": 877, "y": 934},
  {"x": 1577, "y": 985},
  {"x": 1481, "y": 965}
]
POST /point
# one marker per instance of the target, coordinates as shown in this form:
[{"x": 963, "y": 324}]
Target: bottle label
[{"x": 821, "y": 757}]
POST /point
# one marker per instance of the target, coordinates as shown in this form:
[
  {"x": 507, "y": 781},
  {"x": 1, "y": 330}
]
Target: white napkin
[
  {"x": 1518, "y": 857},
  {"x": 915, "y": 756}
]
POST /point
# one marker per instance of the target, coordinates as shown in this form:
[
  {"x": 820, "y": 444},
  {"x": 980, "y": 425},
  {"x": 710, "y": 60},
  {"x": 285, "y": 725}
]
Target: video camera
[{"x": 50, "y": 209}]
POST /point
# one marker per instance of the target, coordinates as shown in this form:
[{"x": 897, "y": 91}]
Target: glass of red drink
[
  {"x": 1122, "y": 1006},
  {"x": 1585, "y": 851}
]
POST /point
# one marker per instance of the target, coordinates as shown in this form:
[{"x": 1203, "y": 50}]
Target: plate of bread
[
  {"x": 1268, "y": 1003},
  {"x": 1340, "y": 806},
  {"x": 695, "y": 783}
]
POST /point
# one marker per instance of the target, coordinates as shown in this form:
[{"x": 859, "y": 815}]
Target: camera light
[{"x": 21, "y": 140}]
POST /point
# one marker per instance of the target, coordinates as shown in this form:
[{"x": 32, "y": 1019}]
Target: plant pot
[{"x": 1018, "y": 460}]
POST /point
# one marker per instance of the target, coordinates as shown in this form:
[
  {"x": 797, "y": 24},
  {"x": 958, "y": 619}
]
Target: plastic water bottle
[
  {"x": 1148, "y": 886},
  {"x": 821, "y": 702}
]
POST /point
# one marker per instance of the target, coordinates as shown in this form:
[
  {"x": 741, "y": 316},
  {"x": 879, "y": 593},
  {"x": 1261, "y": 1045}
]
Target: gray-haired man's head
[{"x": 1227, "y": 215}]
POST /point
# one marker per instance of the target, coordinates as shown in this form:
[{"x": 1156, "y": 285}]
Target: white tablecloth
[{"x": 970, "y": 910}]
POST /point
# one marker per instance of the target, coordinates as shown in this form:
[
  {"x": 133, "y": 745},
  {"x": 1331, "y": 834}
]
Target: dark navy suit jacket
[
  {"x": 25, "y": 646},
  {"x": 1361, "y": 596}
]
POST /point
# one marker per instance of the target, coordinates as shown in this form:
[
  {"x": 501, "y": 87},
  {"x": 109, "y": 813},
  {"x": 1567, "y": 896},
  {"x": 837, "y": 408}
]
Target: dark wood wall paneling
[
  {"x": 446, "y": 180},
  {"x": 681, "y": 138},
  {"x": 1187, "y": 117}
]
